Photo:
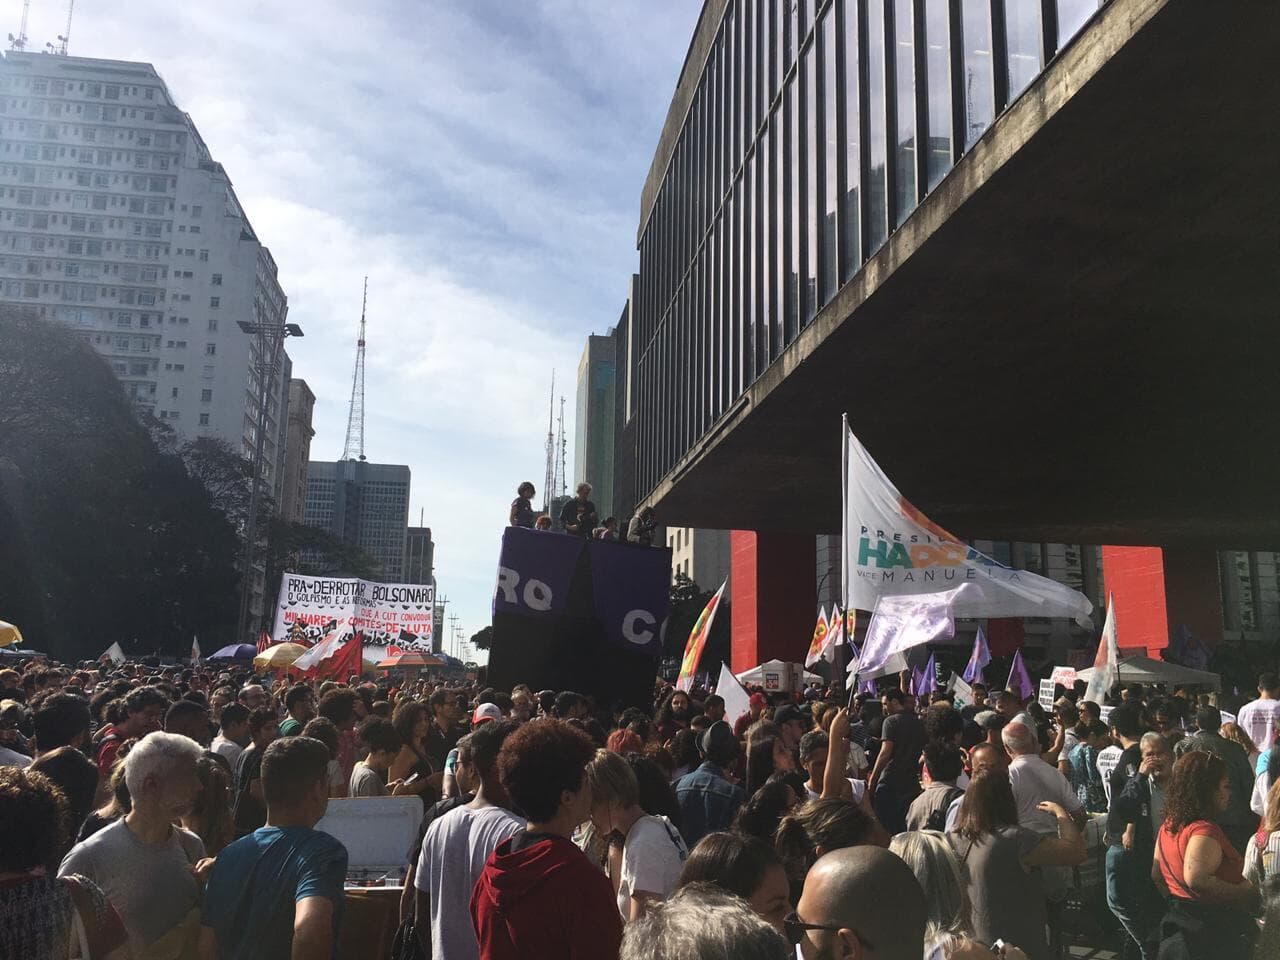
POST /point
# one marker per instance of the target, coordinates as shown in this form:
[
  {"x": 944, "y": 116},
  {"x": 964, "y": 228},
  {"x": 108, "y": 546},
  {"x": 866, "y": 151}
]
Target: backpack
[{"x": 937, "y": 820}]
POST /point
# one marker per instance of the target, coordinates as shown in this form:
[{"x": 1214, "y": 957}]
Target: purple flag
[
  {"x": 1019, "y": 680},
  {"x": 978, "y": 660},
  {"x": 867, "y": 684},
  {"x": 928, "y": 679},
  {"x": 917, "y": 679}
]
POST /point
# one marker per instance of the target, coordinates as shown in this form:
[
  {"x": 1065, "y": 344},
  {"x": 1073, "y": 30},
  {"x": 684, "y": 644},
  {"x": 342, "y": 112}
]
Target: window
[
  {"x": 206, "y": 396},
  {"x": 217, "y": 280},
  {"x": 174, "y": 393},
  {"x": 210, "y": 349},
  {"x": 196, "y": 210},
  {"x": 204, "y": 254},
  {"x": 213, "y": 325},
  {"x": 215, "y": 302},
  {"x": 204, "y": 419}
]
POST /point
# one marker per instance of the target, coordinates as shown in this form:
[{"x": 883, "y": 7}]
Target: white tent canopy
[
  {"x": 1146, "y": 670},
  {"x": 778, "y": 675}
]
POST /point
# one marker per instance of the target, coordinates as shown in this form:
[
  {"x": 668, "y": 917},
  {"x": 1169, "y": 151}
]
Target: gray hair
[
  {"x": 946, "y": 887},
  {"x": 703, "y": 921},
  {"x": 157, "y": 755},
  {"x": 1018, "y": 738},
  {"x": 583, "y": 486},
  {"x": 1150, "y": 739}
]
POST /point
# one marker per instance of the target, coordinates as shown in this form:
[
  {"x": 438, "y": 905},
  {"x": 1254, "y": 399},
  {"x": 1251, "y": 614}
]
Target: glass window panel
[
  {"x": 812, "y": 147},
  {"x": 714, "y": 296},
  {"x": 851, "y": 216},
  {"x": 789, "y": 36},
  {"x": 938, "y": 46},
  {"x": 795, "y": 206},
  {"x": 831, "y": 155},
  {"x": 746, "y": 40},
  {"x": 764, "y": 58},
  {"x": 732, "y": 115},
  {"x": 1072, "y": 15},
  {"x": 749, "y": 288},
  {"x": 764, "y": 154},
  {"x": 781, "y": 221},
  {"x": 877, "y": 142},
  {"x": 979, "y": 76},
  {"x": 905, "y": 94},
  {"x": 734, "y": 385},
  {"x": 1023, "y": 34}
]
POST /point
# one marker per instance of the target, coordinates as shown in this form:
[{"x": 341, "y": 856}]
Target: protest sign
[{"x": 384, "y": 613}]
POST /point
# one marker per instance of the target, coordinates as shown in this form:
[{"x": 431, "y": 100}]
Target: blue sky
[{"x": 481, "y": 161}]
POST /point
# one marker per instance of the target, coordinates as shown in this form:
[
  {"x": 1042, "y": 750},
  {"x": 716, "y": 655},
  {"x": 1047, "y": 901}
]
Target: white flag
[
  {"x": 736, "y": 700},
  {"x": 114, "y": 654},
  {"x": 890, "y": 548},
  {"x": 323, "y": 650},
  {"x": 961, "y": 690},
  {"x": 1106, "y": 662},
  {"x": 195, "y": 647},
  {"x": 900, "y": 623}
]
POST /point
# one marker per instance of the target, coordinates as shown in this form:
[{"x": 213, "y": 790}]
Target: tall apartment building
[
  {"x": 297, "y": 451},
  {"x": 365, "y": 504},
  {"x": 419, "y": 556},
  {"x": 116, "y": 220},
  {"x": 701, "y": 555},
  {"x": 594, "y": 421}
]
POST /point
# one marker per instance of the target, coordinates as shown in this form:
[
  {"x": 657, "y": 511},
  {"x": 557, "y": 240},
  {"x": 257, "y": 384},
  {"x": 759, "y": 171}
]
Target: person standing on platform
[
  {"x": 579, "y": 516},
  {"x": 522, "y": 507}
]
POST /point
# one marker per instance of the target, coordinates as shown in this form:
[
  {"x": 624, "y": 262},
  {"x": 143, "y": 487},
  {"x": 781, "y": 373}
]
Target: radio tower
[
  {"x": 561, "y": 479},
  {"x": 551, "y": 449},
  {"x": 354, "y": 447},
  {"x": 20, "y": 41}
]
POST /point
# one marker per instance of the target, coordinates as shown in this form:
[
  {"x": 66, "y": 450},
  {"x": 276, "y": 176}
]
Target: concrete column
[
  {"x": 773, "y": 607},
  {"x": 1156, "y": 590},
  {"x": 1193, "y": 592}
]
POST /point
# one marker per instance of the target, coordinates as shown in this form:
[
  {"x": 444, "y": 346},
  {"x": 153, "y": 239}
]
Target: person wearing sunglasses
[{"x": 841, "y": 913}]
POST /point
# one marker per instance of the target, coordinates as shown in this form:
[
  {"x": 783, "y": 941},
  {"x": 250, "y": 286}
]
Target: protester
[
  {"x": 894, "y": 781},
  {"x": 1260, "y": 718},
  {"x": 75, "y": 775},
  {"x": 539, "y": 896},
  {"x": 250, "y": 805},
  {"x": 1209, "y": 902},
  {"x": 521, "y": 513},
  {"x": 819, "y": 827},
  {"x": 339, "y": 707},
  {"x": 144, "y": 709},
  {"x": 300, "y": 705},
  {"x": 189, "y": 719},
  {"x": 233, "y": 734},
  {"x": 369, "y": 777},
  {"x": 1082, "y": 767},
  {"x": 457, "y": 846},
  {"x": 278, "y": 892},
  {"x": 842, "y": 912},
  {"x": 1262, "y": 858},
  {"x": 579, "y": 516},
  {"x": 1034, "y": 782},
  {"x": 999, "y": 855},
  {"x": 708, "y": 799},
  {"x": 767, "y": 755},
  {"x": 1238, "y": 822},
  {"x": 443, "y": 733},
  {"x": 1234, "y": 733},
  {"x": 763, "y": 811},
  {"x": 149, "y": 869},
  {"x": 60, "y": 720},
  {"x": 642, "y": 526},
  {"x": 702, "y": 921},
  {"x": 742, "y": 865},
  {"x": 322, "y": 729},
  {"x": 210, "y": 818},
  {"x": 41, "y": 916},
  {"x": 944, "y": 763}
]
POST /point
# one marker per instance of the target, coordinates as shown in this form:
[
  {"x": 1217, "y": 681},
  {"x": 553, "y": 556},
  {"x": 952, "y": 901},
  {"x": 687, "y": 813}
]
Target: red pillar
[
  {"x": 1157, "y": 590},
  {"x": 772, "y": 576}
]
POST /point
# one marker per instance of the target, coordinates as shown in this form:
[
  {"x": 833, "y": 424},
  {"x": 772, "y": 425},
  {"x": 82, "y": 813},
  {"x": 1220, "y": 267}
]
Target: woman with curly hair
[
  {"x": 43, "y": 917},
  {"x": 1210, "y": 903}
]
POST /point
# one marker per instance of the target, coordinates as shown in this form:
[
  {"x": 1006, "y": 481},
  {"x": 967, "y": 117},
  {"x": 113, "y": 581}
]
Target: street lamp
[{"x": 271, "y": 338}]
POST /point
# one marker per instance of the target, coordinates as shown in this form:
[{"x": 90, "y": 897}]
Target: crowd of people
[
  {"x": 580, "y": 518},
  {"x": 170, "y": 813}
]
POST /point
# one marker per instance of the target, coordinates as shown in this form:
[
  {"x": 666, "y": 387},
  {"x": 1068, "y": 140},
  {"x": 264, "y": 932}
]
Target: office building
[
  {"x": 297, "y": 453},
  {"x": 923, "y": 213},
  {"x": 116, "y": 220},
  {"x": 701, "y": 555},
  {"x": 594, "y": 422},
  {"x": 419, "y": 556},
  {"x": 366, "y": 504}
]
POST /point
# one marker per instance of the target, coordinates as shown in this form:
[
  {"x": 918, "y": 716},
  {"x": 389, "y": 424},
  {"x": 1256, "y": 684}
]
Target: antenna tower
[
  {"x": 551, "y": 449},
  {"x": 353, "y": 449},
  {"x": 19, "y": 42},
  {"x": 562, "y": 444},
  {"x": 65, "y": 37}
]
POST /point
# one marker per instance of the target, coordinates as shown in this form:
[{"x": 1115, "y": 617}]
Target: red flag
[
  {"x": 334, "y": 660},
  {"x": 264, "y": 641}
]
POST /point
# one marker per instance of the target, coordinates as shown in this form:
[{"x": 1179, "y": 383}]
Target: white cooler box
[{"x": 377, "y": 832}]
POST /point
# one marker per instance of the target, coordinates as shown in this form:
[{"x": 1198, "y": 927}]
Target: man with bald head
[
  {"x": 1034, "y": 781},
  {"x": 842, "y": 909}
]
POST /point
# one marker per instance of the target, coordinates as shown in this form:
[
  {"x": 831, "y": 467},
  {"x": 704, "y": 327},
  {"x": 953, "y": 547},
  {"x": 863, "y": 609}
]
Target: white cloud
[{"x": 481, "y": 162}]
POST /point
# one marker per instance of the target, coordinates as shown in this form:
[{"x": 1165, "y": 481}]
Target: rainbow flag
[
  {"x": 818, "y": 644},
  {"x": 698, "y": 639}
]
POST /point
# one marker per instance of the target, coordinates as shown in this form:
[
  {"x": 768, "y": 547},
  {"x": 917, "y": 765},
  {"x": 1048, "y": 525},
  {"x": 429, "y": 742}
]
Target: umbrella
[
  {"x": 279, "y": 656},
  {"x": 411, "y": 659},
  {"x": 9, "y": 634},
  {"x": 237, "y": 651}
]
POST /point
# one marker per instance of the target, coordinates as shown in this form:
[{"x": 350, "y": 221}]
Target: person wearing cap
[
  {"x": 484, "y": 713},
  {"x": 991, "y": 724},
  {"x": 755, "y": 707},
  {"x": 708, "y": 799}
]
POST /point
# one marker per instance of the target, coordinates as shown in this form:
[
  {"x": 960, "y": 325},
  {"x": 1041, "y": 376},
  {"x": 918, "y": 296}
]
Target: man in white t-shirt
[
  {"x": 1260, "y": 718},
  {"x": 456, "y": 848}
]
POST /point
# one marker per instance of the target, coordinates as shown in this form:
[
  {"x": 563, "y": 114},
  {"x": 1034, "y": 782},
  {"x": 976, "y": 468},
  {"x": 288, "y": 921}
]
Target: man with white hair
[
  {"x": 1035, "y": 781},
  {"x": 147, "y": 867},
  {"x": 702, "y": 921},
  {"x": 579, "y": 516}
]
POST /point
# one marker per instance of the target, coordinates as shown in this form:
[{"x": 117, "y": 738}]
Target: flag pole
[{"x": 838, "y": 666}]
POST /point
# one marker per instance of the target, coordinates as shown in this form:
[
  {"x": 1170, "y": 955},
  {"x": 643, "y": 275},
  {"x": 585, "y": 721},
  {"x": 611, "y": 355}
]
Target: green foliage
[
  {"x": 483, "y": 638},
  {"x": 107, "y": 537}
]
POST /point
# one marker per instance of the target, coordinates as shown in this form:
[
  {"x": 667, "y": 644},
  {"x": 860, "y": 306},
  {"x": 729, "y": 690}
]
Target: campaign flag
[
  {"x": 698, "y": 639},
  {"x": 736, "y": 700},
  {"x": 961, "y": 690},
  {"x": 835, "y": 635},
  {"x": 902, "y": 622},
  {"x": 113, "y": 653},
  {"x": 818, "y": 645},
  {"x": 891, "y": 549},
  {"x": 1019, "y": 680},
  {"x": 928, "y": 682},
  {"x": 195, "y": 648},
  {"x": 1106, "y": 662},
  {"x": 631, "y": 591},
  {"x": 978, "y": 660}
]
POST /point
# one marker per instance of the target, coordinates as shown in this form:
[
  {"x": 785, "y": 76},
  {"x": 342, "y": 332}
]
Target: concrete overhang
[{"x": 1074, "y": 338}]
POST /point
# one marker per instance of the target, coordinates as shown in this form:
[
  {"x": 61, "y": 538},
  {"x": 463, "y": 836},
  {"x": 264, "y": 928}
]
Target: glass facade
[{"x": 816, "y": 128}]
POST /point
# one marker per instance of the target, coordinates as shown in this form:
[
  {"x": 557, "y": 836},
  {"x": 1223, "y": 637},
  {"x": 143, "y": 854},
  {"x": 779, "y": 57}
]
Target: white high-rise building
[{"x": 115, "y": 219}]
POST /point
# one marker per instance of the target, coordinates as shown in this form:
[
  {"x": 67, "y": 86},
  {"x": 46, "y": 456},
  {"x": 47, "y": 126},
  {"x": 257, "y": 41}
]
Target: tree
[
  {"x": 311, "y": 551},
  {"x": 482, "y": 639},
  {"x": 106, "y": 536}
]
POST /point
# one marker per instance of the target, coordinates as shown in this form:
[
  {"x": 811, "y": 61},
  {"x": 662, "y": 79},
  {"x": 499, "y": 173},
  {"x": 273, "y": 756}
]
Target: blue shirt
[
  {"x": 708, "y": 802},
  {"x": 256, "y": 881}
]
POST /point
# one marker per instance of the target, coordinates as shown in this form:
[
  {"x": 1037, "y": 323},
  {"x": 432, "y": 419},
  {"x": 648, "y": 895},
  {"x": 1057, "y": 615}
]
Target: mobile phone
[{"x": 412, "y": 778}]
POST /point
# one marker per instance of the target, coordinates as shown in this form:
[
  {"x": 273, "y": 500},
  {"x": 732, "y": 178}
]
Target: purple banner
[
  {"x": 632, "y": 590},
  {"x": 535, "y": 571}
]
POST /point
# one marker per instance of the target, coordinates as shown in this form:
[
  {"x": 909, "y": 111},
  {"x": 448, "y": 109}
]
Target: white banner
[
  {"x": 891, "y": 548},
  {"x": 900, "y": 623},
  {"x": 385, "y": 613},
  {"x": 1106, "y": 662}
]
